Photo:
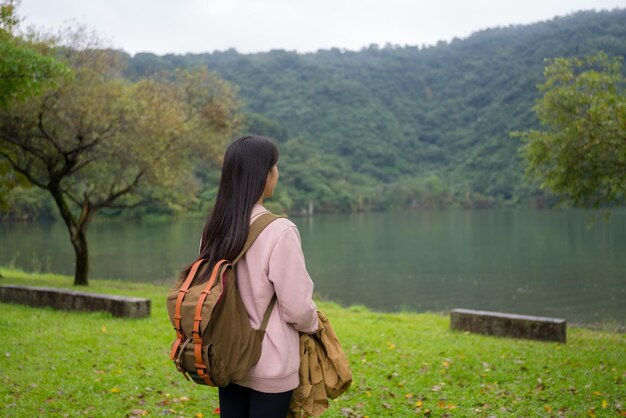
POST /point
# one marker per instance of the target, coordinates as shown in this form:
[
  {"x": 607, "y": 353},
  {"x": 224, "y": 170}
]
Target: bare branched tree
[{"x": 94, "y": 140}]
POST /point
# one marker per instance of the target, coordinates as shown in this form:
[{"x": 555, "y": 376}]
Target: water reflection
[{"x": 529, "y": 262}]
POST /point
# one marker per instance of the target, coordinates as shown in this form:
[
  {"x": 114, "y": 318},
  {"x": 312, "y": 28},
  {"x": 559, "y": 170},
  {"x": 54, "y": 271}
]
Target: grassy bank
[{"x": 404, "y": 364}]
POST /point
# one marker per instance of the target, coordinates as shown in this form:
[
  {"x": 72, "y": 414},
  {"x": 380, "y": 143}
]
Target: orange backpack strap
[
  {"x": 197, "y": 319},
  {"x": 180, "y": 336}
]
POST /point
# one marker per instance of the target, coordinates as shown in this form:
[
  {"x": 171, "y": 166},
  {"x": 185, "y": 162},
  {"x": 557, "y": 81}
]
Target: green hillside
[{"x": 399, "y": 125}]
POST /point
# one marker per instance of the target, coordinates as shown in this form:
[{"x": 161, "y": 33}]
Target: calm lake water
[{"x": 547, "y": 263}]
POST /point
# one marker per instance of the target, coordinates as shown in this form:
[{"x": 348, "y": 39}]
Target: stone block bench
[
  {"x": 72, "y": 300},
  {"x": 508, "y": 325}
]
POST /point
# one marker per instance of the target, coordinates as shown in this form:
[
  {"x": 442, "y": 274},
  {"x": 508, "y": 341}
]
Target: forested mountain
[{"x": 402, "y": 125}]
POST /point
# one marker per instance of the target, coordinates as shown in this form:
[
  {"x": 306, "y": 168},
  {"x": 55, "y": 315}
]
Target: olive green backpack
[{"x": 215, "y": 343}]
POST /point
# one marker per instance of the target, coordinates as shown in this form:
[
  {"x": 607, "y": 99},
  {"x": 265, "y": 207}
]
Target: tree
[
  {"x": 23, "y": 70},
  {"x": 94, "y": 140},
  {"x": 580, "y": 155},
  {"x": 22, "y": 66}
]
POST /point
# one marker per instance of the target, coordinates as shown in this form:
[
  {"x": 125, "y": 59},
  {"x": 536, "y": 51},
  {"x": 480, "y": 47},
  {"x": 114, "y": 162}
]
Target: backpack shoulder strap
[
  {"x": 255, "y": 230},
  {"x": 268, "y": 313}
]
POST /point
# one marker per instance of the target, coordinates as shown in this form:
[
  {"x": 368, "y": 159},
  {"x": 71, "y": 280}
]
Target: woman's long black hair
[{"x": 247, "y": 162}]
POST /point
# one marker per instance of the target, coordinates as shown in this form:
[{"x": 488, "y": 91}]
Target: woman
[{"x": 273, "y": 264}]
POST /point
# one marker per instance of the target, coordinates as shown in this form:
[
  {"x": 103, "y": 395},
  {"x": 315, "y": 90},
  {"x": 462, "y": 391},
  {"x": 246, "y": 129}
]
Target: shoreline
[{"x": 66, "y": 281}]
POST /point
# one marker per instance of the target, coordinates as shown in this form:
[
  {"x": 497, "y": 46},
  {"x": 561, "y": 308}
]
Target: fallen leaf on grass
[
  {"x": 548, "y": 408},
  {"x": 539, "y": 386},
  {"x": 181, "y": 399},
  {"x": 443, "y": 405},
  {"x": 348, "y": 413},
  {"x": 115, "y": 390},
  {"x": 138, "y": 413}
]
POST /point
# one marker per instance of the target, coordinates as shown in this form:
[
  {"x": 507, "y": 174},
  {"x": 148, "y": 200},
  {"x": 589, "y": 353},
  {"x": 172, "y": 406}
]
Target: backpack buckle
[
  {"x": 180, "y": 369},
  {"x": 178, "y": 362}
]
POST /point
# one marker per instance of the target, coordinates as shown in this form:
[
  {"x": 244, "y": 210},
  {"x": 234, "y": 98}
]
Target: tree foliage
[
  {"x": 95, "y": 140},
  {"x": 23, "y": 68},
  {"x": 394, "y": 126},
  {"x": 387, "y": 114},
  {"x": 580, "y": 154}
]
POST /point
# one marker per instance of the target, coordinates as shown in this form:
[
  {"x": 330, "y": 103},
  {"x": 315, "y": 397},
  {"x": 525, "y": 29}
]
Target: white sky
[{"x": 182, "y": 26}]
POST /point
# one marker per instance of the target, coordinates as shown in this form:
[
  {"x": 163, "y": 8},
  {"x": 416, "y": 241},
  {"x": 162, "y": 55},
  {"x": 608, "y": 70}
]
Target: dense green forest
[{"x": 400, "y": 126}]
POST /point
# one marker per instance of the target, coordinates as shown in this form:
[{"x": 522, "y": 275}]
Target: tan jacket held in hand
[{"x": 324, "y": 371}]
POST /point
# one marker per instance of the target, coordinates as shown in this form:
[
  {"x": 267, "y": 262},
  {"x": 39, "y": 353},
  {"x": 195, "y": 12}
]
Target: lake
[{"x": 547, "y": 263}]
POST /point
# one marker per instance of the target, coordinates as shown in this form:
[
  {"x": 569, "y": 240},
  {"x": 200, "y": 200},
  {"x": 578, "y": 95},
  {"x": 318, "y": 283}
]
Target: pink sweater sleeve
[{"x": 292, "y": 283}]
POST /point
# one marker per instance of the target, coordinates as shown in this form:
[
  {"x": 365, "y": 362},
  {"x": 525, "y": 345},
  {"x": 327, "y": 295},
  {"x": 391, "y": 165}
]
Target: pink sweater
[{"x": 275, "y": 263}]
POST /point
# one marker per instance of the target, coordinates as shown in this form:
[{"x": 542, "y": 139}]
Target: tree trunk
[
  {"x": 78, "y": 233},
  {"x": 79, "y": 242}
]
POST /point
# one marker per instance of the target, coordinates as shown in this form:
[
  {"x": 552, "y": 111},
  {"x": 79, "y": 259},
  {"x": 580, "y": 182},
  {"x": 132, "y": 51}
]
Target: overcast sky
[{"x": 182, "y": 26}]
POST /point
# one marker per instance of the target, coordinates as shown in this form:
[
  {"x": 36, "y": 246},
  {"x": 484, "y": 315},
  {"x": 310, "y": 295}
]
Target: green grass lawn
[{"x": 55, "y": 363}]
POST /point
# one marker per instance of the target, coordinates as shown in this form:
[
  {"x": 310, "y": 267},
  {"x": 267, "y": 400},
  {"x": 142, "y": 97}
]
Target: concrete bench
[
  {"x": 72, "y": 300},
  {"x": 508, "y": 325}
]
